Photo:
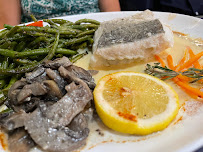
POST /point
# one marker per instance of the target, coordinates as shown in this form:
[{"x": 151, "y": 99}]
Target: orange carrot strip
[
  {"x": 170, "y": 62},
  {"x": 182, "y": 61},
  {"x": 160, "y": 60},
  {"x": 196, "y": 64},
  {"x": 191, "y": 90},
  {"x": 183, "y": 78},
  {"x": 191, "y": 61}
]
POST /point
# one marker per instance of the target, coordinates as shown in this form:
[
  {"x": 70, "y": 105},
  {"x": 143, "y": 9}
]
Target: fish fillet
[{"x": 126, "y": 40}]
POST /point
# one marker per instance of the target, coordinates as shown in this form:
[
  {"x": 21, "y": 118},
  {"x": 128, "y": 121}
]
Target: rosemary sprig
[
  {"x": 165, "y": 73},
  {"x": 197, "y": 74}
]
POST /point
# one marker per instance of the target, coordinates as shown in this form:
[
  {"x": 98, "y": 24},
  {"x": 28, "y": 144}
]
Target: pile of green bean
[{"x": 23, "y": 48}]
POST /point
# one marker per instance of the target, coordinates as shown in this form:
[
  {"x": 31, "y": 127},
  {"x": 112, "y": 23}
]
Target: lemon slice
[{"x": 135, "y": 103}]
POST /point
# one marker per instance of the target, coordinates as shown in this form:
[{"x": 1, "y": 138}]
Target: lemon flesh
[{"x": 135, "y": 103}]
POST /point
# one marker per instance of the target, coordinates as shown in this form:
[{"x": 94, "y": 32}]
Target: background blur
[{"x": 188, "y": 7}]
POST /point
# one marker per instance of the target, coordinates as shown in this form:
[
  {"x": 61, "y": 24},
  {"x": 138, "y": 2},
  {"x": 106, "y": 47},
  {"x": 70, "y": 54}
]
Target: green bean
[
  {"x": 2, "y": 83},
  {"x": 17, "y": 36},
  {"x": 34, "y": 33},
  {"x": 2, "y": 100},
  {"x": 5, "y": 45},
  {"x": 8, "y": 53},
  {"x": 53, "y": 48},
  {"x": 80, "y": 27},
  {"x": 86, "y": 33},
  {"x": 84, "y": 26},
  {"x": 80, "y": 46},
  {"x": 23, "y": 57},
  {"x": 17, "y": 70},
  {"x": 87, "y": 21},
  {"x": 3, "y": 32},
  {"x": 12, "y": 65},
  {"x": 3, "y": 76},
  {"x": 65, "y": 51},
  {"x": 21, "y": 46},
  {"x": 50, "y": 22},
  {"x": 38, "y": 52},
  {"x": 69, "y": 29},
  {"x": 33, "y": 18},
  {"x": 11, "y": 32},
  {"x": 13, "y": 79},
  {"x": 62, "y": 21},
  {"x": 5, "y": 63},
  {"x": 28, "y": 68},
  {"x": 8, "y": 26},
  {"x": 77, "y": 57},
  {"x": 44, "y": 29},
  {"x": 74, "y": 41},
  {"x": 13, "y": 45},
  {"x": 36, "y": 41},
  {"x": 59, "y": 55},
  {"x": 90, "y": 26},
  {"x": 24, "y": 61},
  {"x": 91, "y": 40}
]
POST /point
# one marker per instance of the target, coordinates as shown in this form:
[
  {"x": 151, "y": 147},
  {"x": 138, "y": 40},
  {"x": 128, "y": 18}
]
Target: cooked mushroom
[
  {"x": 54, "y": 92},
  {"x": 55, "y": 64},
  {"x": 47, "y": 126},
  {"x": 54, "y": 75},
  {"x": 35, "y": 89},
  {"x": 13, "y": 120},
  {"x": 20, "y": 141},
  {"x": 53, "y": 105},
  {"x": 14, "y": 90},
  {"x": 82, "y": 74},
  {"x": 38, "y": 75}
]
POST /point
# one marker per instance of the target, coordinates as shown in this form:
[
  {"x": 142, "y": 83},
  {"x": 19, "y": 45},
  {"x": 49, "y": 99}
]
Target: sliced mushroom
[
  {"x": 38, "y": 75},
  {"x": 82, "y": 74},
  {"x": 55, "y": 64},
  {"x": 24, "y": 95},
  {"x": 57, "y": 105},
  {"x": 47, "y": 125},
  {"x": 54, "y": 75},
  {"x": 20, "y": 141},
  {"x": 14, "y": 91},
  {"x": 35, "y": 89},
  {"x": 31, "y": 105},
  {"x": 13, "y": 120},
  {"x": 54, "y": 91},
  {"x": 70, "y": 105}
]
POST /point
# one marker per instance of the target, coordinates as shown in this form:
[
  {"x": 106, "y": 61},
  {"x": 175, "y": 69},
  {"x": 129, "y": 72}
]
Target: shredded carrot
[
  {"x": 196, "y": 64},
  {"x": 170, "y": 62},
  {"x": 191, "y": 61},
  {"x": 182, "y": 61},
  {"x": 160, "y": 60},
  {"x": 191, "y": 90},
  {"x": 181, "y": 80}
]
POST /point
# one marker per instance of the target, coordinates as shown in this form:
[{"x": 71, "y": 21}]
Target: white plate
[{"x": 186, "y": 135}]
